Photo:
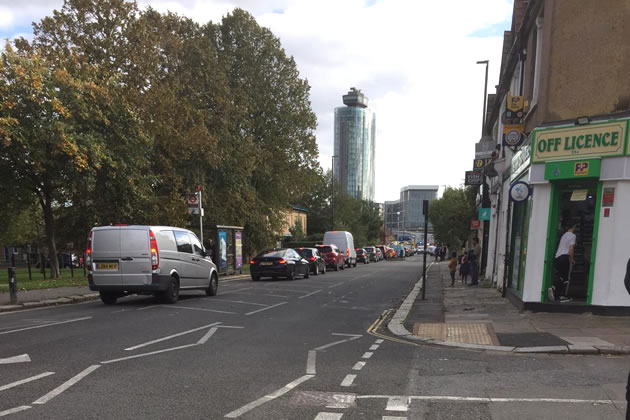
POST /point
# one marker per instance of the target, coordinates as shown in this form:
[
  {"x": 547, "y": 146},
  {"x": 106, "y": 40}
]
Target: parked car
[
  {"x": 345, "y": 242},
  {"x": 333, "y": 257},
  {"x": 362, "y": 255},
  {"x": 158, "y": 260},
  {"x": 373, "y": 253},
  {"x": 279, "y": 263},
  {"x": 384, "y": 250},
  {"x": 314, "y": 258},
  {"x": 379, "y": 253}
]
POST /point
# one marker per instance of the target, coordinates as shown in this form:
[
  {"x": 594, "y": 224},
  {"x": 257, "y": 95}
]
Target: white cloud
[{"x": 412, "y": 58}]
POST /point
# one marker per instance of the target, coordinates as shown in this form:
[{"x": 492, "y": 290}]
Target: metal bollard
[{"x": 12, "y": 286}]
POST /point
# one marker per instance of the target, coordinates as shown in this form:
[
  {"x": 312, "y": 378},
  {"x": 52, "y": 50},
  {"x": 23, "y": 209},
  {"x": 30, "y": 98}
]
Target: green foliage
[
  {"x": 111, "y": 114},
  {"x": 451, "y": 214},
  {"x": 297, "y": 231}
]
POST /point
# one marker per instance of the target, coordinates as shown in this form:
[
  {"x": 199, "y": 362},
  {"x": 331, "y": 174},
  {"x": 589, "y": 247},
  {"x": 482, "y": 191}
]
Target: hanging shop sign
[
  {"x": 580, "y": 141},
  {"x": 520, "y": 162},
  {"x": 520, "y": 191},
  {"x": 473, "y": 178},
  {"x": 478, "y": 164},
  {"x": 513, "y": 135},
  {"x": 484, "y": 213},
  {"x": 475, "y": 224},
  {"x": 568, "y": 169}
]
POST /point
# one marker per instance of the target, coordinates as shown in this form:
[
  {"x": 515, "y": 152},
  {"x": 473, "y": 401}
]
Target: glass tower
[
  {"x": 411, "y": 198},
  {"x": 355, "y": 128}
]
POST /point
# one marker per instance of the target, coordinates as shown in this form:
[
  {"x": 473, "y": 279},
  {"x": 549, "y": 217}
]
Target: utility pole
[
  {"x": 332, "y": 194},
  {"x": 425, "y": 212}
]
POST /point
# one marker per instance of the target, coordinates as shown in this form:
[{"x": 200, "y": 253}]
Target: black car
[
  {"x": 362, "y": 255},
  {"x": 315, "y": 260},
  {"x": 279, "y": 263}
]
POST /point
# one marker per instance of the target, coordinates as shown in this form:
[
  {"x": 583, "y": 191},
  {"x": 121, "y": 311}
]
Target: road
[{"x": 302, "y": 349}]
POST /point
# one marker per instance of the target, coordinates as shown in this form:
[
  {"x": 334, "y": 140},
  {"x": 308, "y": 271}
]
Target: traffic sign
[{"x": 192, "y": 200}]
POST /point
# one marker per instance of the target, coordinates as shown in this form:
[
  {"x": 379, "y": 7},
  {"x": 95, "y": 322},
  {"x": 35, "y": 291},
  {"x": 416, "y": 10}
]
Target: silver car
[{"x": 158, "y": 260}]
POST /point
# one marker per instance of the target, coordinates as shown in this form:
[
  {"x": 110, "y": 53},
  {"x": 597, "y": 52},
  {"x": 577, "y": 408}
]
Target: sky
[{"x": 414, "y": 59}]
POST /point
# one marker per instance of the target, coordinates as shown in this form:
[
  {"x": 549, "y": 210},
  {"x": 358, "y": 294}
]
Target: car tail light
[
  {"x": 282, "y": 261},
  {"x": 155, "y": 254},
  {"x": 88, "y": 252},
  {"x": 312, "y": 258},
  {"x": 252, "y": 262},
  {"x": 347, "y": 252}
]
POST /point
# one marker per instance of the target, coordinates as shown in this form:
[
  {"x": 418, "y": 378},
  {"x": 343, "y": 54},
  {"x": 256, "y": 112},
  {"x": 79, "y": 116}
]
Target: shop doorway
[{"x": 574, "y": 202}]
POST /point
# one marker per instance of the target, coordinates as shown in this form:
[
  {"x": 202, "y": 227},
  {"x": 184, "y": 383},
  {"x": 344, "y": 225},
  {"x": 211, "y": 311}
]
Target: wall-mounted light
[{"x": 583, "y": 120}]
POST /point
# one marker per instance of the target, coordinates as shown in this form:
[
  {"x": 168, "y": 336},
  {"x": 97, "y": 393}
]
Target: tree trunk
[{"x": 49, "y": 223}]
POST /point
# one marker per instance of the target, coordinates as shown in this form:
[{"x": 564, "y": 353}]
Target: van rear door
[
  {"x": 106, "y": 269},
  {"x": 135, "y": 256}
]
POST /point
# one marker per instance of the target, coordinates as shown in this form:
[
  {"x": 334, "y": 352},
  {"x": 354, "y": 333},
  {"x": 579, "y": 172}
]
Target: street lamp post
[
  {"x": 485, "y": 98},
  {"x": 398, "y": 224},
  {"x": 332, "y": 194},
  {"x": 485, "y": 197}
]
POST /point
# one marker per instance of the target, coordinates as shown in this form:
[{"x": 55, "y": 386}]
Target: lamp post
[
  {"x": 332, "y": 194},
  {"x": 485, "y": 97},
  {"x": 485, "y": 197},
  {"x": 398, "y": 223}
]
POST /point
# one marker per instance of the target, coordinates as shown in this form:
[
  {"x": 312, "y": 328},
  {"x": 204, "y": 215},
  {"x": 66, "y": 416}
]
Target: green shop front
[{"x": 577, "y": 174}]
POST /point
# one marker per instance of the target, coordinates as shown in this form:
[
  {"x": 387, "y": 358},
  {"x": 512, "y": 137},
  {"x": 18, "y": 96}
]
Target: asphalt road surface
[{"x": 302, "y": 349}]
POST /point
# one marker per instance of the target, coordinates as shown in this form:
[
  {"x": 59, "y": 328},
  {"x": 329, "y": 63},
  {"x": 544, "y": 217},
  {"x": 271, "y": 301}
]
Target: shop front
[{"x": 579, "y": 175}]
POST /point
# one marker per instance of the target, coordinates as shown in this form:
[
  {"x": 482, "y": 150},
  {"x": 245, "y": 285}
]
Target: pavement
[
  {"x": 480, "y": 318},
  {"x": 36, "y": 298},
  {"x": 312, "y": 349}
]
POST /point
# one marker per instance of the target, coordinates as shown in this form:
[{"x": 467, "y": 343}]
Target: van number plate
[{"x": 107, "y": 266}]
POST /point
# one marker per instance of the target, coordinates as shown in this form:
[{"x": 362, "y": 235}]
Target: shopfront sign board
[
  {"x": 580, "y": 141},
  {"x": 520, "y": 191},
  {"x": 571, "y": 169}
]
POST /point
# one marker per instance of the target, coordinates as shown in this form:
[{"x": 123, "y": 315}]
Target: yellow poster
[{"x": 579, "y": 195}]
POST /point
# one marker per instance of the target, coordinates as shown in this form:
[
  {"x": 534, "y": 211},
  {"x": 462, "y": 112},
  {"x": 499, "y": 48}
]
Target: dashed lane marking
[
  {"x": 374, "y": 347},
  {"x": 337, "y": 284},
  {"x": 310, "y": 362},
  {"x": 24, "y": 381},
  {"x": 64, "y": 386},
  {"x": 348, "y": 380},
  {"x": 394, "y": 418},
  {"x": 379, "y": 341},
  {"x": 350, "y": 338},
  {"x": 22, "y": 358},
  {"x": 367, "y": 355},
  {"x": 397, "y": 404},
  {"x": 238, "y": 301},
  {"x": 46, "y": 325},
  {"x": 264, "y": 309},
  {"x": 358, "y": 365},
  {"x": 199, "y": 309},
  {"x": 328, "y": 416},
  {"x": 269, "y": 397}
]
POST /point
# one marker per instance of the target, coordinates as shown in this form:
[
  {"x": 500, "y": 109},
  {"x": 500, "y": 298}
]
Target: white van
[
  {"x": 345, "y": 242},
  {"x": 158, "y": 260}
]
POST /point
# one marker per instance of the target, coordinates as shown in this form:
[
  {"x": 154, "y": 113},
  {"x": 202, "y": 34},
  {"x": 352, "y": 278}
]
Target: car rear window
[
  {"x": 272, "y": 254},
  {"x": 369, "y": 249},
  {"x": 325, "y": 248},
  {"x": 106, "y": 240},
  {"x": 304, "y": 252}
]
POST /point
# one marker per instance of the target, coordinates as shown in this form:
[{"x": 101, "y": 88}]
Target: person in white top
[{"x": 563, "y": 260}]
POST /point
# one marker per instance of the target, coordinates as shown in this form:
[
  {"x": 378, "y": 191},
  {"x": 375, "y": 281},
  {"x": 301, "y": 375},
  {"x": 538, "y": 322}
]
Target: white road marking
[
  {"x": 23, "y": 381},
  {"x": 310, "y": 294},
  {"x": 358, "y": 365},
  {"x": 148, "y": 307},
  {"x": 379, "y": 341},
  {"x": 394, "y": 418},
  {"x": 46, "y": 325},
  {"x": 64, "y": 386},
  {"x": 280, "y": 296},
  {"x": 15, "y": 359},
  {"x": 350, "y": 338},
  {"x": 328, "y": 416},
  {"x": 234, "y": 291},
  {"x": 397, "y": 404},
  {"x": 374, "y": 347},
  {"x": 198, "y": 309},
  {"x": 347, "y": 381},
  {"x": 367, "y": 355},
  {"x": 207, "y": 335},
  {"x": 171, "y": 336},
  {"x": 310, "y": 362},
  {"x": 238, "y": 301},
  {"x": 264, "y": 309},
  {"x": 493, "y": 399},
  {"x": 135, "y": 356},
  {"x": 14, "y": 410},
  {"x": 288, "y": 387},
  {"x": 289, "y": 290},
  {"x": 335, "y": 285}
]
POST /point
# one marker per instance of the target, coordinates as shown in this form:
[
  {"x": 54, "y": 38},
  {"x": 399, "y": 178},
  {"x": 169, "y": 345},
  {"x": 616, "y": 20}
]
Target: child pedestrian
[
  {"x": 452, "y": 267},
  {"x": 464, "y": 268}
]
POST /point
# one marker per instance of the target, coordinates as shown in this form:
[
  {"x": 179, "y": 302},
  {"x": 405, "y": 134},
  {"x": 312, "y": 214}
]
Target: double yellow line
[{"x": 373, "y": 330}]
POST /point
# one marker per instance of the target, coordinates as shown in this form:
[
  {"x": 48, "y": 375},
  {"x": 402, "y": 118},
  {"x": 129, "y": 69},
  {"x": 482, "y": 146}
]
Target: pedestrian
[
  {"x": 474, "y": 256},
  {"x": 436, "y": 252},
  {"x": 563, "y": 262},
  {"x": 452, "y": 267},
  {"x": 464, "y": 267},
  {"x": 442, "y": 253}
]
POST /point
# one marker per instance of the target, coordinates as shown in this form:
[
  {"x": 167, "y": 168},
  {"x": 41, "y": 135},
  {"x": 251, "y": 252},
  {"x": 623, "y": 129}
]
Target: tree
[
  {"x": 297, "y": 231},
  {"x": 450, "y": 215}
]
